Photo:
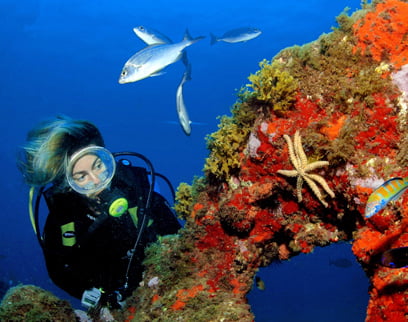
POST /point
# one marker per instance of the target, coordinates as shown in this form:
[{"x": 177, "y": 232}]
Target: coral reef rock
[{"x": 31, "y": 303}]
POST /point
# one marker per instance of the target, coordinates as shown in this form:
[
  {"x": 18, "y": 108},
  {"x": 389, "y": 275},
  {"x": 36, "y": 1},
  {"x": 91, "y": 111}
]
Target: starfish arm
[
  {"x": 300, "y": 153},
  {"x": 299, "y": 184},
  {"x": 315, "y": 165},
  {"x": 292, "y": 155},
  {"x": 315, "y": 190},
  {"x": 322, "y": 182},
  {"x": 288, "y": 173},
  {"x": 299, "y": 160}
]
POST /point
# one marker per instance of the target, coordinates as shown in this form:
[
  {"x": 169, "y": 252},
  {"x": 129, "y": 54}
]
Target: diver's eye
[
  {"x": 98, "y": 165},
  {"x": 80, "y": 177}
]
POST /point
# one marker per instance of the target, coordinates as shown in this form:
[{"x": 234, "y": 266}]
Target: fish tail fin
[
  {"x": 188, "y": 72},
  {"x": 214, "y": 39},
  {"x": 184, "y": 58},
  {"x": 197, "y": 39},
  {"x": 186, "y": 75},
  {"x": 188, "y": 37}
]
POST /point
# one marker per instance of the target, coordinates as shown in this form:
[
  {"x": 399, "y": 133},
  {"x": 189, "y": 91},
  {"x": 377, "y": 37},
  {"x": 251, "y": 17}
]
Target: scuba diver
[{"x": 102, "y": 212}]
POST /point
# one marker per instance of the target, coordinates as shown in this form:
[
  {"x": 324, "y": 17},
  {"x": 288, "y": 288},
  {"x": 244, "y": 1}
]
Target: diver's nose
[{"x": 94, "y": 178}]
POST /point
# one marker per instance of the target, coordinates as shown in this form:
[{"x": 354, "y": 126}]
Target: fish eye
[
  {"x": 141, "y": 28},
  {"x": 124, "y": 73}
]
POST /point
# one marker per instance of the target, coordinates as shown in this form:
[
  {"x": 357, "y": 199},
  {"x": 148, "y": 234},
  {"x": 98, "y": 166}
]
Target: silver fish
[
  {"x": 181, "y": 107},
  {"x": 236, "y": 35},
  {"x": 151, "y": 36},
  {"x": 151, "y": 60}
]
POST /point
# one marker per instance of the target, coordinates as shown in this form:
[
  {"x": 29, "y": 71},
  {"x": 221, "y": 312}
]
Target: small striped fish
[{"x": 390, "y": 190}]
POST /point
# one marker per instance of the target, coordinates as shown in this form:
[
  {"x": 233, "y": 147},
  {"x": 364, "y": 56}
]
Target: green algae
[
  {"x": 229, "y": 141},
  {"x": 225, "y": 146},
  {"x": 172, "y": 260},
  {"x": 166, "y": 256},
  {"x": 186, "y": 196},
  {"x": 31, "y": 303},
  {"x": 184, "y": 200},
  {"x": 273, "y": 85}
]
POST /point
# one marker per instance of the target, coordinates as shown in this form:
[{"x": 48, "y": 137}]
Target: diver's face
[{"x": 89, "y": 171}]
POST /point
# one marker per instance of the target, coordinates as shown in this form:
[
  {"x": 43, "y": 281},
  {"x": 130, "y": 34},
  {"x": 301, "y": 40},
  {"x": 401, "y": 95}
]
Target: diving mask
[{"x": 90, "y": 170}]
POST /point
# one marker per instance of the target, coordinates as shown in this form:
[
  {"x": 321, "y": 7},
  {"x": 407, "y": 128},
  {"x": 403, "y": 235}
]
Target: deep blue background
[{"x": 65, "y": 57}]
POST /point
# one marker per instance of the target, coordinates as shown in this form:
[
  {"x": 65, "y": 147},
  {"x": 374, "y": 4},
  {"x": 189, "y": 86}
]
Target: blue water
[{"x": 65, "y": 57}]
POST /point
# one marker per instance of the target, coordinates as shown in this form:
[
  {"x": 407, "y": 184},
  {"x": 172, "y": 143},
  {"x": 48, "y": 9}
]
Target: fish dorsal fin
[
  {"x": 394, "y": 179},
  {"x": 398, "y": 186},
  {"x": 187, "y": 35}
]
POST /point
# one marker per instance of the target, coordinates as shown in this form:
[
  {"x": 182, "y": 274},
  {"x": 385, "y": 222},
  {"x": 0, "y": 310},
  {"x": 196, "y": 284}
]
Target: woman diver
[{"x": 102, "y": 212}]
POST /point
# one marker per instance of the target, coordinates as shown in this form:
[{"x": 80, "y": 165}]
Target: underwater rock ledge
[{"x": 314, "y": 133}]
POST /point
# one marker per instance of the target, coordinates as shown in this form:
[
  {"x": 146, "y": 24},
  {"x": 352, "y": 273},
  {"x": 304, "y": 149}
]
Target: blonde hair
[{"x": 50, "y": 144}]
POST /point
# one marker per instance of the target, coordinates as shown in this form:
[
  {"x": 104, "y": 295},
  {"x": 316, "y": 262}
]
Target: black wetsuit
[{"x": 81, "y": 255}]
